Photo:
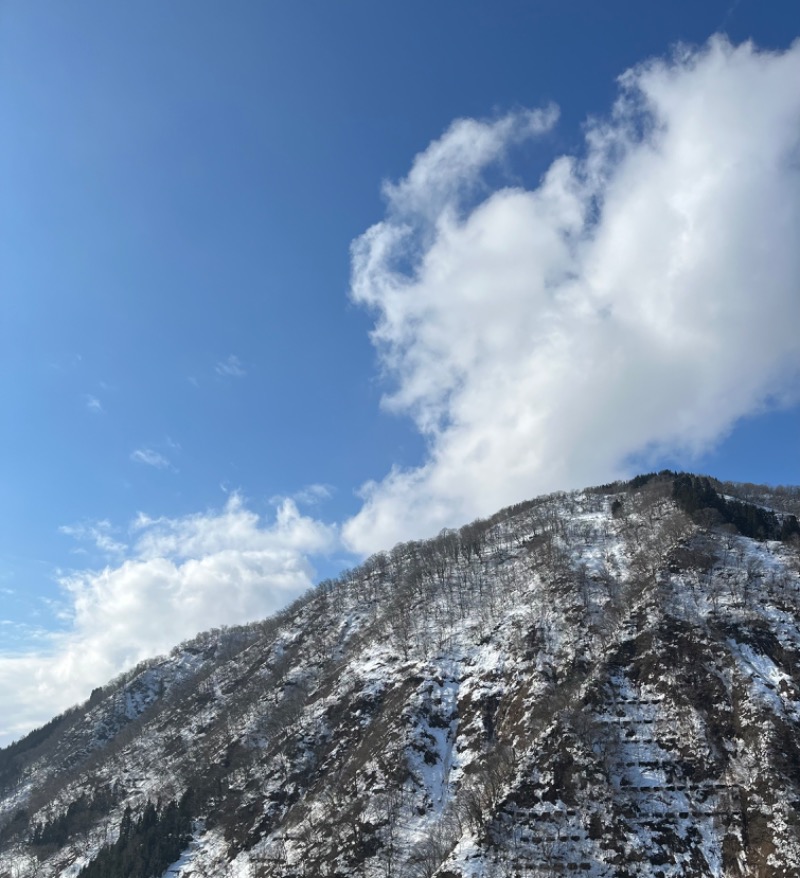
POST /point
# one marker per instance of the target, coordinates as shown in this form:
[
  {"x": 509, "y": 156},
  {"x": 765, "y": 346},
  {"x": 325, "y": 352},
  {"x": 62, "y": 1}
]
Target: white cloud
[
  {"x": 150, "y": 457},
  {"x": 439, "y": 176},
  {"x": 643, "y": 297},
  {"x": 180, "y": 576},
  {"x": 93, "y": 404},
  {"x": 232, "y": 367},
  {"x": 100, "y": 533},
  {"x": 314, "y": 494}
]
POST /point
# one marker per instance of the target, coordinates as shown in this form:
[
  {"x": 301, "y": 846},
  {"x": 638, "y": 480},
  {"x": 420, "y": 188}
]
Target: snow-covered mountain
[{"x": 604, "y": 683}]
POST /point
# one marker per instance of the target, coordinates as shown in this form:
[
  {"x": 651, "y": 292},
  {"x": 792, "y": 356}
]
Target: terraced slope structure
[{"x": 598, "y": 683}]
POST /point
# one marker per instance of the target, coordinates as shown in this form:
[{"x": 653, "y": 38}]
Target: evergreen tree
[{"x": 146, "y": 846}]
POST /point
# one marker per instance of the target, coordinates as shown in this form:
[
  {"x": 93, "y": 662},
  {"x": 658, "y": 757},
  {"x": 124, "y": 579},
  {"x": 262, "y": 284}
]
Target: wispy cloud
[
  {"x": 641, "y": 298},
  {"x": 175, "y": 577},
  {"x": 149, "y": 457},
  {"x": 314, "y": 494},
  {"x": 93, "y": 404},
  {"x": 232, "y": 367},
  {"x": 102, "y": 534}
]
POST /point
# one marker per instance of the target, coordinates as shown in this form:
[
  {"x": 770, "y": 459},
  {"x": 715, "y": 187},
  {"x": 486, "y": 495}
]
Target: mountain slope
[{"x": 603, "y": 682}]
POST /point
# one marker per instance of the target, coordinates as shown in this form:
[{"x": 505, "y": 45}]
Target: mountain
[{"x": 599, "y": 683}]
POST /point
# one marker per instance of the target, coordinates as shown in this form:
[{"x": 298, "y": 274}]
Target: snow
[{"x": 550, "y": 646}]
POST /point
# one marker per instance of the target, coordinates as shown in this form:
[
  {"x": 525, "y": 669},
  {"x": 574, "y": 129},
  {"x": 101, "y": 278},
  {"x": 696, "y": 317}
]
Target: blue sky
[{"x": 251, "y": 324}]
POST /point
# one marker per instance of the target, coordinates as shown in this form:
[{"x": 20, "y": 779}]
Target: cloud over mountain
[
  {"x": 179, "y": 576},
  {"x": 642, "y": 297}
]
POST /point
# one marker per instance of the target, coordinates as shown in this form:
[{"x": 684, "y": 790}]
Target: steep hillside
[{"x": 604, "y": 683}]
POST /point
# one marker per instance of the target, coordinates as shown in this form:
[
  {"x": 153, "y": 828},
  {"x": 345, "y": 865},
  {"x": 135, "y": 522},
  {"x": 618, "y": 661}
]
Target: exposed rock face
[{"x": 590, "y": 683}]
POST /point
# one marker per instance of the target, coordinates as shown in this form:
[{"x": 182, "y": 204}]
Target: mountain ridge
[{"x": 545, "y": 691}]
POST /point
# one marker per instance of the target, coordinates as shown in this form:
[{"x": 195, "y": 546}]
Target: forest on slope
[{"x": 603, "y": 682}]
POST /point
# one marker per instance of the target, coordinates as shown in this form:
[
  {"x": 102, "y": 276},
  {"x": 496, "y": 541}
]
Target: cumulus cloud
[
  {"x": 179, "y": 576},
  {"x": 232, "y": 367},
  {"x": 442, "y": 174},
  {"x": 149, "y": 457},
  {"x": 639, "y": 300}
]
